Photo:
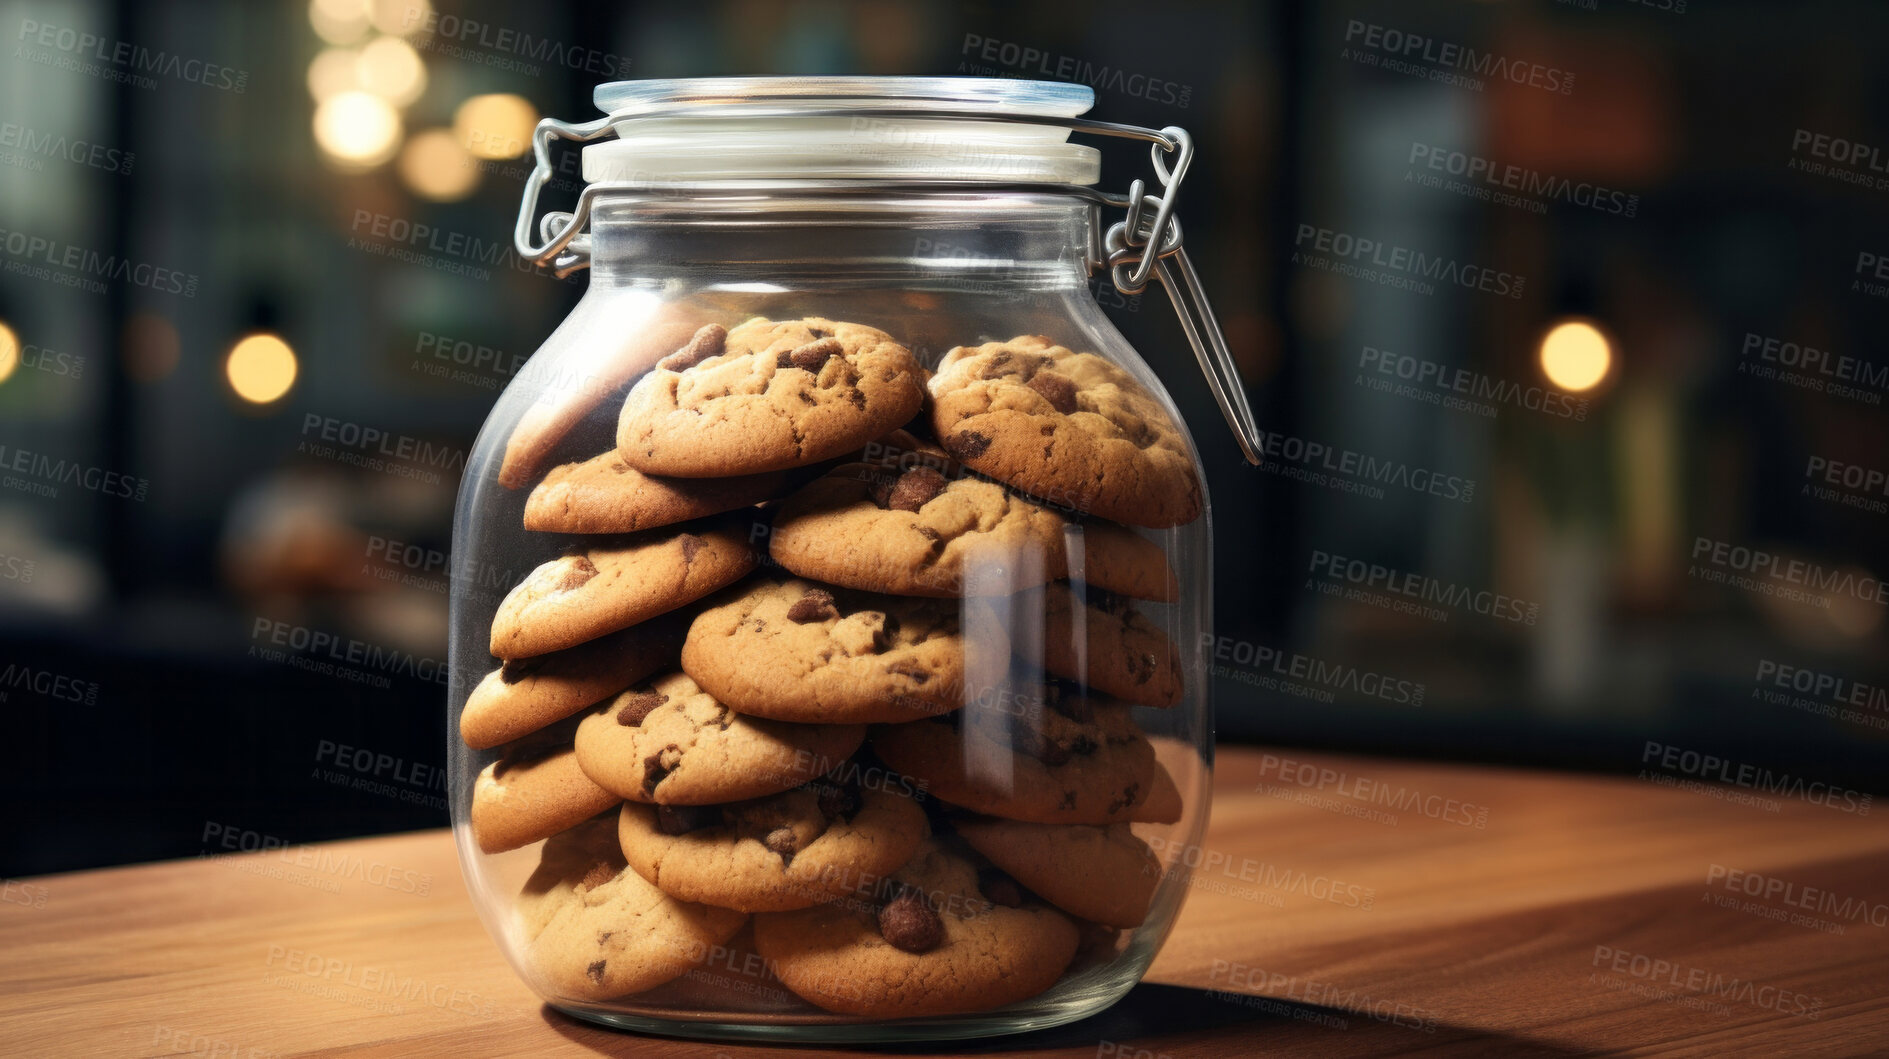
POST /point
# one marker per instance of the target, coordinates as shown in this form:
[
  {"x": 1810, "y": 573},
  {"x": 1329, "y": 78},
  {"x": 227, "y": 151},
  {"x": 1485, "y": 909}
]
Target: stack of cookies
[{"x": 843, "y": 674}]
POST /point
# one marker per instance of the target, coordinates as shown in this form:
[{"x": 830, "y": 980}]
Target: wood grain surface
[{"x": 1373, "y": 908}]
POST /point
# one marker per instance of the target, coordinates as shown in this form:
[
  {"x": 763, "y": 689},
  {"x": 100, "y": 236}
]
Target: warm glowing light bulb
[
  {"x": 332, "y": 72},
  {"x": 9, "y": 352},
  {"x": 357, "y": 129},
  {"x": 260, "y": 368},
  {"x": 498, "y": 125},
  {"x": 401, "y": 17},
  {"x": 339, "y": 21},
  {"x": 392, "y": 70},
  {"x": 1575, "y": 355},
  {"x": 434, "y": 166}
]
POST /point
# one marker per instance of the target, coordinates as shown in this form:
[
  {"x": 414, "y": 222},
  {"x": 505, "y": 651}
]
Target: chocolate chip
[
  {"x": 654, "y": 768},
  {"x": 966, "y": 444},
  {"x": 599, "y": 873},
  {"x": 709, "y": 341},
  {"x": 838, "y": 801},
  {"x": 517, "y": 669},
  {"x": 682, "y": 819},
  {"x": 690, "y": 545},
  {"x": 811, "y": 356},
  {"x": 595, "y": 971},
  {"x": 1032, "y": 742},
  {"x": 1058, "y": 390},
  {"x": 1124, "y": 800},
  {"x": 912, "y": 490},
  {"x": 575, "y": 574},
  {"x": 638, "y": 706},
  {"x": 816, "y": 605},
  {"x": 911, "y": 670},
  {"x": 784, "y": 841},
  {"x": 909, "y": 924},
  {"x": 999, "y": 889},
  {"x": 884, "y": 636}
]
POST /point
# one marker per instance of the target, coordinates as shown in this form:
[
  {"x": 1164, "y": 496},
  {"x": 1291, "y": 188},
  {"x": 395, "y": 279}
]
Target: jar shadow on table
[{"x": 1152, "y": 1020}]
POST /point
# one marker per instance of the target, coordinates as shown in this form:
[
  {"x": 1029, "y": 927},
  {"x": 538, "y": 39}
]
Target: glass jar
[{"x": 830, "y": 587}]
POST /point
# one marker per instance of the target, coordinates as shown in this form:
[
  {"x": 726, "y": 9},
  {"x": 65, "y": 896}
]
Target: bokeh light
[
  {"x": 332, "y": 72},
  {"x": 260, "y": 368},
  {"x": 434, "y": 166},
  {"x": 1575, "y": 355},
  {"x": 340, "y": 21},
  {"x": 400, "y": 17},
  {"x": 357, "y": 129},
  {"x": 151, "y": 346},
  {"x": 498, "y": 125},
  {"x": 9, "y": 352},
  {"x": 392, "y": 70}
]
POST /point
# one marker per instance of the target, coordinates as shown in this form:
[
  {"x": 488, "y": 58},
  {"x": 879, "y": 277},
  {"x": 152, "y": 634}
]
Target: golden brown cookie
[
  {"x": 525, "y": 694},
  {"x": 1105, "y": 643},
  {"x": 1117, "y": 559},
  {"x": 1074, "y": 761},
  {"x": 766, "y": 396},
  {"x": 564, "y": 396},
  {"x": 597, "y": 930},
  {"x": 916, "y": 532},
  {"x": 672, "y": 743},
  {"x": 1103, "y": 874},
  {"x": 1163, "y": 804},
  {"x": 941, "y": 940},
  {"x": 613, "y": 585},
  {"x": 533, "y": 791},
  {"x": 606, "y": 495},
  {"x": 802, "y": 847},
  {"x": 1070, "y": 428},
  {"x": 797, "y": 651}
]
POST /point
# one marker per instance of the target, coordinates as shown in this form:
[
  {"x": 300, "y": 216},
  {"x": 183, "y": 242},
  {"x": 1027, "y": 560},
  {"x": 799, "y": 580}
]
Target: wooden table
[{"x": 1481, "y": 911}]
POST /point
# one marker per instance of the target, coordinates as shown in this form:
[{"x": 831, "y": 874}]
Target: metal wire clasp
[{"x": 558, "y": 230}]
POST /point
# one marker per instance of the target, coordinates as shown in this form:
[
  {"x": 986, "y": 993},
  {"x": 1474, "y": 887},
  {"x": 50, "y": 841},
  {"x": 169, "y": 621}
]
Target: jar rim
[{"x": 692, "y": 130}]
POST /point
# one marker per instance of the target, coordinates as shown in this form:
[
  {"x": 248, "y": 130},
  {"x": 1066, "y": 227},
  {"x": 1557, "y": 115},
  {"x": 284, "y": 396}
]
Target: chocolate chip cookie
[
  {"x": 525, "y": 694},
  {"x": 1071, "y": 428},
  {"x": 916, "y": 532},
  {"x": 943, "y": 937},
  {"x": 597, "y": 930},
  {"x": 796, "y": 651},
  {"x": 766, "y": 396},
  {"x": 1074, "y": 761},
  {"x": 671, "y": 743},
  {"x": 817, "y": 843},
  {"x": 614, "y": 585},
  {"x": 1103, "y": 874},
  {"x": 533, "y": 791},
  {"x": 1102, "y": 641},
  {"x": 604, "y": 494}
]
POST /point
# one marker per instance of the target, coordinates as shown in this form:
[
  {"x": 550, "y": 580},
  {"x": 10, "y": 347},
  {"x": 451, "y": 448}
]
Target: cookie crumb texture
[
  {"x": 953, "y": 948},
  {"x": 611, "y": 586},
  {"x": 1071, "y": 428},
  {"x": 672, "y": 743},
  {"x": 598, "y": 930},
  {"x": 797, "y": 651},
  {"x": 767, "y": 396}
]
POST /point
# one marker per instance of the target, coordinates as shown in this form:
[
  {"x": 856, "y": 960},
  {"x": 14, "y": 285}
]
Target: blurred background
[{"x": 1602, "y": 278}]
